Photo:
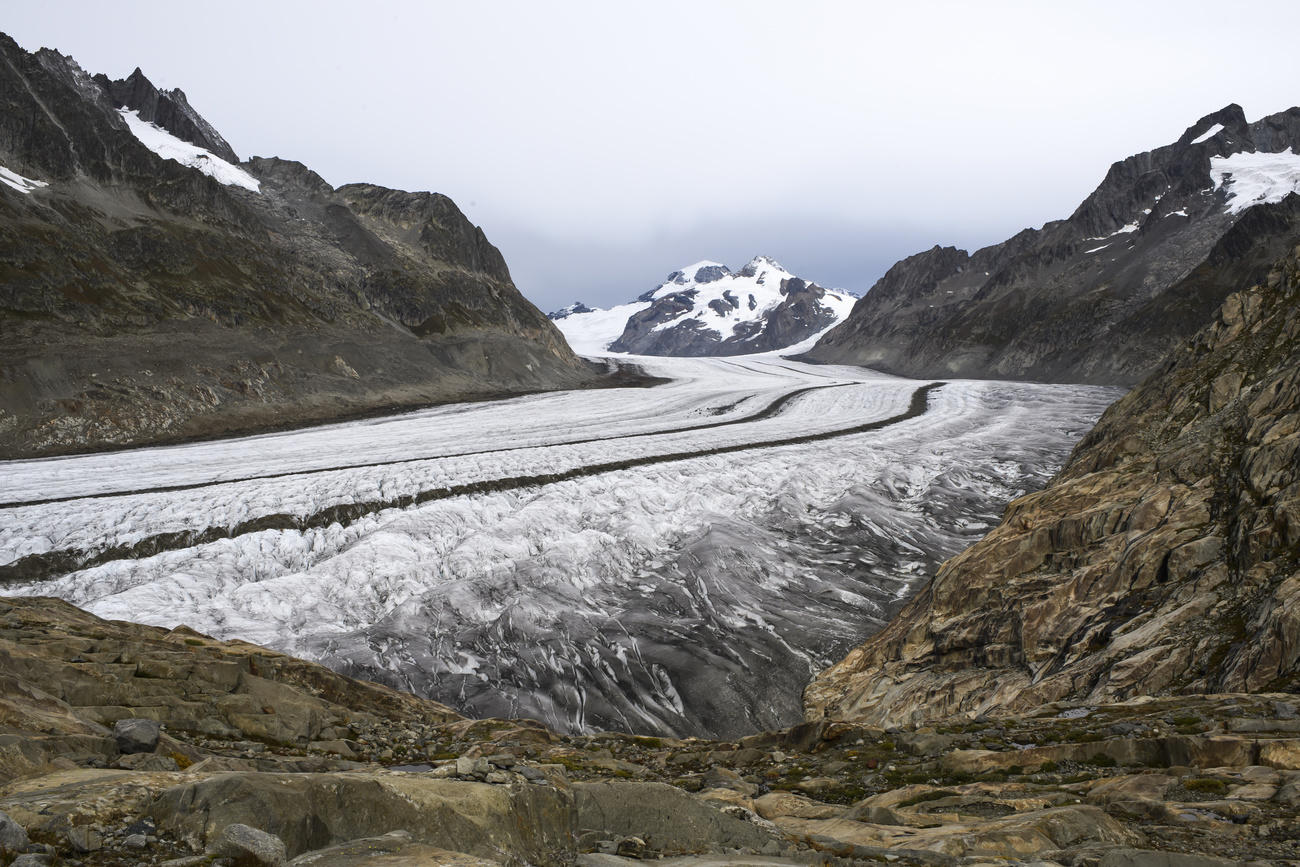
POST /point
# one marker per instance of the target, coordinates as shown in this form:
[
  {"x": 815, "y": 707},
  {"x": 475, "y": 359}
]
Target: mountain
[
  {"x": 706, "y": 309},
  {"x": 1164, "y": 559},
  {"x": 154, "y": 288},
  {"x": 1102, "y": 296}
]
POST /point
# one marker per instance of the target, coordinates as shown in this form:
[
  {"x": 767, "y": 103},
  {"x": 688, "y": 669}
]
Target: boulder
[
  {"x": 775, "y": 804},
  {"x": 12, "y": 836},
  {"x": 1151, "y": 858},
  {"x": 394, "y": 849},
  {"x": 532, "y": 824},
  {"x": 136, "y": 735},
  {"x": 247, "y": 847},
  {"x": 670, "y": 821}
]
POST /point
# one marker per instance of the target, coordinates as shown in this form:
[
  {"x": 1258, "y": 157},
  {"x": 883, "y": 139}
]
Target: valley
[{"x": 674, "y": 560}]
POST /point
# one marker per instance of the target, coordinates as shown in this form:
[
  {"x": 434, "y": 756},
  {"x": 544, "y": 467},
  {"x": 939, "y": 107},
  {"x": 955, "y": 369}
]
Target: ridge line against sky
[{"x": 601, "y": 146}]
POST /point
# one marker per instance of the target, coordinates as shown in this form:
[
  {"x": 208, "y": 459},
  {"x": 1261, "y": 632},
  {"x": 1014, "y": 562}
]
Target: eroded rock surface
[
  {"x": 1161, "y": 560},
  {"x": 393, "y": 780}
]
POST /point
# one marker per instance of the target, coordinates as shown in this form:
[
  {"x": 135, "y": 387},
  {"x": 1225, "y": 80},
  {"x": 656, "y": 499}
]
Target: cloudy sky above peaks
[{"x": 602, "y": 145}]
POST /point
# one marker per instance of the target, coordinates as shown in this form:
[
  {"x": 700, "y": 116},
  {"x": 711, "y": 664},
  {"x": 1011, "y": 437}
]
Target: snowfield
[
  {"x": 169, "y": 147},
  {"x": 677, "y": 559}
]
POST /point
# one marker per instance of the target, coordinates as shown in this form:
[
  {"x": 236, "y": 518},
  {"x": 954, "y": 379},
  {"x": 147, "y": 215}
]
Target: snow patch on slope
[
  {"x": 18, "y": 182},
  {"x": 169, "y": 147},
  {"x": 1208, "y": 134},
  {"x": 1256, "y": 178}
]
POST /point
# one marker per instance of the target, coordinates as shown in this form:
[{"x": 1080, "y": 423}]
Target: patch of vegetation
[
  {"x": 1206, "y": 786},
  {"x": 1048, "y": 767},
  {"x": 182, "y": 761},
  {"x": 1101, "y": 760},
  {"x": 194, "y": 642}
]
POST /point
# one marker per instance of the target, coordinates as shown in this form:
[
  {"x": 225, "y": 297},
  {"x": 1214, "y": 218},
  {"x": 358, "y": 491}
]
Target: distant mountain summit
[
  {"x": 707, "y": 309},
  {"x": 168, "y": 109},
  {"x": 153, "y": 287},
  {"x": 1099, "y": 297}
]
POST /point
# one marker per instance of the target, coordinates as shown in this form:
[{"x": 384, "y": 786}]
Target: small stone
[
  {"x": 32, "y": 859},
  {"x": 84, "y": 839},
  {"x": 136, "y": 735},
  {"x": 465, "y": 766},
  {"x": 12, "y": 836},
  {"x": 497, "y": 777},
  {"x": 630, "y": 847},
  {"x": 136, "y": 841},
  {"x": 248, "y": 847}
]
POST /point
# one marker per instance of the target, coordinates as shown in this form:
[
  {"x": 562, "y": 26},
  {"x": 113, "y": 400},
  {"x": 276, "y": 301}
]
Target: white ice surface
[
  {"x": 169, "y": 147},
  {"x": 18, "y": 182},
  {"x": 1256, "y": 178}
]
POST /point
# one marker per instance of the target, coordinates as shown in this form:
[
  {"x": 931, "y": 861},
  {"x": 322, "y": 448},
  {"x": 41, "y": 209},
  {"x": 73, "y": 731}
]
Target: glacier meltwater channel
[{"x": 674, "y": 560}]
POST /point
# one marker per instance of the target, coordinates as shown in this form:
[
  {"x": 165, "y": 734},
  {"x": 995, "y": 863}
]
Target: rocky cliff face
[
  {"x": 1163, "y": 559},
  {"x": 1099, "y": 297},
  {"x": 705, "y": 309},
  {"x": 148, "y": 299}
]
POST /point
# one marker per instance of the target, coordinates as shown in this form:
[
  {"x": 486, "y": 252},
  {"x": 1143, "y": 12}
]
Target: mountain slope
[
  {"x": 1163, "y": 559},
  {"x": 152, "y": 289},
  {"x": 1091, "y": 298},
  {"x": 705, "y": 309}
]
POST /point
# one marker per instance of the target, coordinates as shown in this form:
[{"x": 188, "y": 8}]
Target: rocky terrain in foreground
[
  {"x": 152, "y": 288},
  {"x": 125, "y": 745},
  {"x": 1102, "y": 296}
]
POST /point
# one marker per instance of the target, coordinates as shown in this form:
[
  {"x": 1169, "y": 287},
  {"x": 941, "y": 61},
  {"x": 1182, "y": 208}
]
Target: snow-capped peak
[
  {"x": 703, "y": 271},
  {"x": 706, "y": 308}
]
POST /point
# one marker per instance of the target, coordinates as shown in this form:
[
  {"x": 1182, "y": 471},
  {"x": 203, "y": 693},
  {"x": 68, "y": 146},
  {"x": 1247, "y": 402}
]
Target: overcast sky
[{"x": 601, "y": 145}]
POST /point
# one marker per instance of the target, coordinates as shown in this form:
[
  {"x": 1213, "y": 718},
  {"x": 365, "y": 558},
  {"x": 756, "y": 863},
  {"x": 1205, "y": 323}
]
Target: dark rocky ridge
[
  {"x": 143, "y": 301},
  {"x": 1164, "y": 559},
  {"x": 1047, "y": 304},
  {"x": 168, "y": 109}
]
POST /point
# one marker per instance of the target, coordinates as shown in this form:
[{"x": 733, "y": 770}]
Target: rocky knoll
[
  {"x": 1162, "y": 560},
  {"x": 1102, "y": 296},
  {"x": 146, "y": 300},
  {"x": 128, "y": 745}
]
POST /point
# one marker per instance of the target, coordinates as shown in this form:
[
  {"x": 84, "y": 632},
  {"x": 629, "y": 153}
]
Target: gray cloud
[{"x": 603, "y": 144}]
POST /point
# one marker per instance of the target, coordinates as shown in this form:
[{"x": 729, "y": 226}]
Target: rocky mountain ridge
[
  {"x": 1103, "y": 295},
  {"x": 1164, "y": 559},
  {"x": 706, "y": 309},
  {"x": 153, "y": 290}
]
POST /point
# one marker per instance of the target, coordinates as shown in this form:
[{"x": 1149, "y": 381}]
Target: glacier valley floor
[{"x": 673, "y": 560}]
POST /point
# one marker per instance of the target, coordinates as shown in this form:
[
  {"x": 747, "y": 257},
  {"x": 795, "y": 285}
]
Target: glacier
[{"x": 674, "y": 560}]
